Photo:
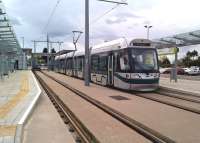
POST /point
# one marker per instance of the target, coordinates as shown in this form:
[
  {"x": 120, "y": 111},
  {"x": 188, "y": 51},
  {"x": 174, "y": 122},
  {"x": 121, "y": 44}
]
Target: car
[
  {"x": 166, "y": 71},
  {"x": 187, "y": 70},
  {"x": 194, "y": 70},
  {"x": 163, "y": 70},
  {"x": 180, "y": 71}
]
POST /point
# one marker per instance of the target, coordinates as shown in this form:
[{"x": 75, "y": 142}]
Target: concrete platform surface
[
  {"x": 18, "y": 95},
  {"x": 182, "y": 84},
  {"x": 45, "y": 125}
]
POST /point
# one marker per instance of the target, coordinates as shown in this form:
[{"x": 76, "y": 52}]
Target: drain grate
[{"x": 119, "y": 98}]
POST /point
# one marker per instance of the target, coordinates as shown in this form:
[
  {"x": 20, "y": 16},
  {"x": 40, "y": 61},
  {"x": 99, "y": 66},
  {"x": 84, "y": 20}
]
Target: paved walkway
[
  {"x": 45, "y": 125},
  {"x": 18, "y": 94},
  {"x": 186, "y": 77},
  {"x": 182, "y": 84}
]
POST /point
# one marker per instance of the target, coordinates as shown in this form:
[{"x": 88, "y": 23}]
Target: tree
[
  {"x": 191, "y": 59},
  {"x": 53, "y": 50},
  {"x": 45, "y": 50},
  {"x": 192, "y": 54},
  {"x": 164, "y": 62},
  {"x": 186, "y": 61},
  {"x": 198, "y": 61}
]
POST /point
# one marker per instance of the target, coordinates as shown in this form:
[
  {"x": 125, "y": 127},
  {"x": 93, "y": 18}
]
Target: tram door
[{"x": 110, "y": 69}]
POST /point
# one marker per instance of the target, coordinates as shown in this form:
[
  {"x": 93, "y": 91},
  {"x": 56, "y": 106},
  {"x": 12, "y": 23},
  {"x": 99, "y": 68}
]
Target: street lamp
[{"x": 148, "y": 28}]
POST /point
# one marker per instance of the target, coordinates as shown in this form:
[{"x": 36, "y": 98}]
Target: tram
[{"x": 123, "y": 64}]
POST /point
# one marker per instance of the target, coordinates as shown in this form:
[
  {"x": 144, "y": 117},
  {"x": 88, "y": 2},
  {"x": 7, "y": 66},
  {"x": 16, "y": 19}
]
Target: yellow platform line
[
  {"x": 6, "y": 130},
  {"x": 7, "y": 107}
]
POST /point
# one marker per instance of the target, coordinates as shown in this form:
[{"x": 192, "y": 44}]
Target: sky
[{"x": 168, "y": 17}]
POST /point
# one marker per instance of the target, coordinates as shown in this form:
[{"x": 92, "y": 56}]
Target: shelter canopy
[
  {"x": 179, "y": 40},
  {"x": 8, "y": 40}
]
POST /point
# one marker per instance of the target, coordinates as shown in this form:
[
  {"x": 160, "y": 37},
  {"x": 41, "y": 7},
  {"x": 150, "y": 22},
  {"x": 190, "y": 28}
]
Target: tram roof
[
  {"x": 8, "y": 40},
  {"x": 62, "y": 52},
  {"x": 178, "y": 40}
]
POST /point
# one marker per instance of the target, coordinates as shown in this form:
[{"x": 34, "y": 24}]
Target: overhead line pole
[
  {"x": 87, "y": 46},
  {"x": 48, "y": 46},
  {"x": 87, "y": 74},
  {"x": 48, "y": 51},
  {"x": 75, "y": 40}
]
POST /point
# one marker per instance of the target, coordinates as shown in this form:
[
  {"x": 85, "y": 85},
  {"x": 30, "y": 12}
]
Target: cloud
[
  {"x": 59, "y": 29},
  {"x": 115, "y": 20},
  {"x": 30, "y": 17},
  {"x": 146, "y": 22},
  {"x": 70, "y": 46},
  {"x": 121, "y": 17},
  {"x": 15, "y": 21}
]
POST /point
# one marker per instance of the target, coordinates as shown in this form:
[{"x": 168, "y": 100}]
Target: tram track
[
  {"x": 145, "y": 131},
  {"x": 188, "y": 96},
  {"x": 83, "y": 134},
  {"x": 187, "y": 99},
  {"x": 174, "y": 98},
  {"x": 173, "y": 101}
]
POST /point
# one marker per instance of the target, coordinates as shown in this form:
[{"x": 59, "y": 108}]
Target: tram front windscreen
[{"x": 144, "y": 60}]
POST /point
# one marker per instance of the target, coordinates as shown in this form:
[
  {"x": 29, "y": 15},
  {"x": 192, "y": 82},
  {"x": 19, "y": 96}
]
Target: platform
[
  {"x": 18, "y": 95},
  {"x": 191, "y": 86},
  {"x": 45, "y": 125}
]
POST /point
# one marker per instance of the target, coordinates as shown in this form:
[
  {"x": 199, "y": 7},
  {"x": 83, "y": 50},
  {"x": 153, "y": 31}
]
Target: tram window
[
  {"x": 103, "y": 64},
  {"x": 124, "y": 62},
  {"x": 69, "y": 64},
  {"x": 74, "y": 63},
  {"x": 144, "y": 60},
  {"x": 95, "y": 63},
  {"x": 79, "y": 64}
]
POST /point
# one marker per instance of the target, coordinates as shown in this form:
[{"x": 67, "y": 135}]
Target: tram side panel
[
  {"x": 69, "y": 66},
  {"x": 80, "y": 67},
  {"x": 121, "y": 69},
  {"x": 99, "y": 68}
]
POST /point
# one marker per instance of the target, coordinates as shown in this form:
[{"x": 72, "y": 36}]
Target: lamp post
[{"x": 148, "y": 28}]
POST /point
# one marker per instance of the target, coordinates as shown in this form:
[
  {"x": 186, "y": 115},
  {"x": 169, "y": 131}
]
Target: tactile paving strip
[
  {"x": 7, "y": 130},
  {"x": 7, "y": 107}
]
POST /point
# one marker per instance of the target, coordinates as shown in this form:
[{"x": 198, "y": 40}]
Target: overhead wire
[
  {"x": 104, "y": 14},
  {"x": 101, "y": 16},
  {"x": 92, "y": 22},
  {"x": 51, "y": 16}
]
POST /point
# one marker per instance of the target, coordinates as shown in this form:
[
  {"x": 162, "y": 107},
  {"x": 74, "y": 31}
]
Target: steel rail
[
  {"x": 145, "y": 131},
  {"x": 176, "y": 91},
  {"x": 193, "y": 110},
  {"x": 85, "y": 135},
  {"x": 179, "y": 96}
]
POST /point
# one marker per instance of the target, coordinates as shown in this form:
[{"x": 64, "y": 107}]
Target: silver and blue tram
[{"x": 121, "y": 64}]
